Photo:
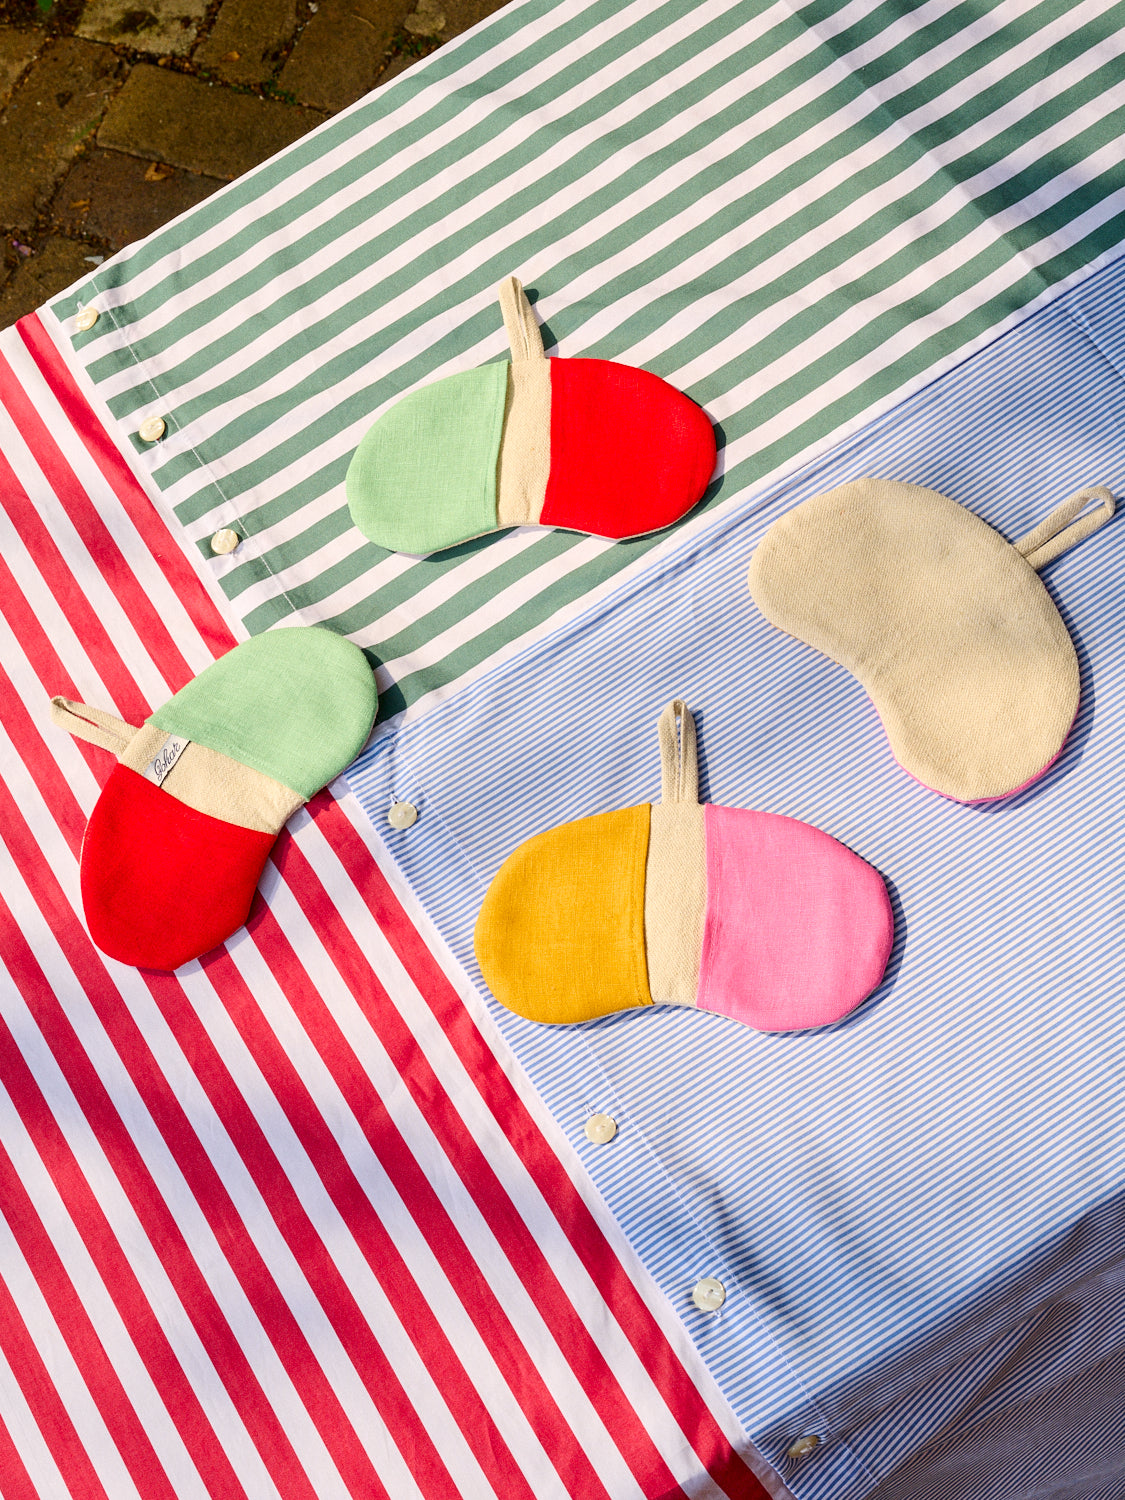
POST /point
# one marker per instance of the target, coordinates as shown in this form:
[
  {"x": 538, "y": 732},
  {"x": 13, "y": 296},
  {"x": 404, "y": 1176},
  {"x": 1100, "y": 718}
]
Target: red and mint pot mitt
[
  {"x": 585, "y": 444},
  {"x": 751, "y": 915},
  {"x": 178, "y": 837}
]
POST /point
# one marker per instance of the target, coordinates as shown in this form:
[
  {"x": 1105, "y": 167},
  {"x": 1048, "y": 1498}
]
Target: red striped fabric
[
  {"x": 17, "y": 1480},
  {"x": 288, "y": 1222}
]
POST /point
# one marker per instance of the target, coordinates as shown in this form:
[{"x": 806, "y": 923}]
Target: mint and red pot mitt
[
  {"x": 945, "y": 623},
  {"x": 177, "y": 840},
  {"x": 586, "y": 444},
  {"x": 761, "y": 918}
]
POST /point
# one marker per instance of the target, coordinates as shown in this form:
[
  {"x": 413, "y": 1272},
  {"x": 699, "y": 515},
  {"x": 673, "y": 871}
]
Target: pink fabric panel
[{"x": 798, "y": 929}]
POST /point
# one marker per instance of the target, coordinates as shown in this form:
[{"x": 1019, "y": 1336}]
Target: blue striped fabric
[{"x": 918, "y": 1212}]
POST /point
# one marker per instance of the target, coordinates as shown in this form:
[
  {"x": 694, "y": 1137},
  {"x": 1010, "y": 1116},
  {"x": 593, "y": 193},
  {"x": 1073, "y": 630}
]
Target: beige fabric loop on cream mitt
[{"x": 945, "y": 623}]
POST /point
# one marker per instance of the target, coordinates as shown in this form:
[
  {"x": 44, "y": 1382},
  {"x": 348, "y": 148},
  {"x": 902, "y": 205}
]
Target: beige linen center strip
[
  {"x": 525, "y": 444},
  {"x": 676, "y": 869},
  {"x": 214, "y": 784},
  {"x": 200, "y": 778},
  {"x": 675, "y": 902}
]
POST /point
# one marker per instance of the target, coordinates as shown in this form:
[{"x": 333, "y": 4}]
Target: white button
[
  {"x": 151, "y": 429},
  {"x": 600, "y": 1129},
  {"x": 803, "y": 1446},
  {"x": 224, "y": 541},
  {"x": 402, "y": 815},
  {"x": 708, "y": 1294},
  {"x": 86, "y": 319}
]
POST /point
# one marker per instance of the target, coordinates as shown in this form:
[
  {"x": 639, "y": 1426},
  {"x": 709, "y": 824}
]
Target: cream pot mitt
[
  {"x": 754, "y": 916},
  {"x": 177, "y": 839},
  {"x": 945, "y": 624},
  {"x": 587, "y": 444}
]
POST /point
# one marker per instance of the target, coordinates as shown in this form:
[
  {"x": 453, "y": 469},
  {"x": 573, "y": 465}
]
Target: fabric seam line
[
  {"x": 787, "y": 473},
  {"x": 661, "y": 1173},
  {"x": 225, "y": 499},
  {"x": 431, "y": 812}
]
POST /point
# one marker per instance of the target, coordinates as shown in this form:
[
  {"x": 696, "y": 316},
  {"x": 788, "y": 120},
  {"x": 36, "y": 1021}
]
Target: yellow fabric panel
[{"x": 561, "y": 934}]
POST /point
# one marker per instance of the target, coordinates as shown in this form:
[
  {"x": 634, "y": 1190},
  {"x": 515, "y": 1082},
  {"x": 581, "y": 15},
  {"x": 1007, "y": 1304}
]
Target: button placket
[{"x": 634, "y": 1180}]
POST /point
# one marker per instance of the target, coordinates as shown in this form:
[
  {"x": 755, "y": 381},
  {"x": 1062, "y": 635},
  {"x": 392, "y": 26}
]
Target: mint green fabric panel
[
  {"x": 424, "y": 475},
  {"x": 296, "y": 704}
]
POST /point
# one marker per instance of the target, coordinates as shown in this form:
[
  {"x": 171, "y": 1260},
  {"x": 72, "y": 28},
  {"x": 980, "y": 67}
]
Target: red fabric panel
[
  {"x": 170, "y": 558},
  {"x": 162, "y": 883},
  {"x": 629, "y": 453},
  {"x": 103, "y": 547},
  {"x": 232, "y": 1408}
]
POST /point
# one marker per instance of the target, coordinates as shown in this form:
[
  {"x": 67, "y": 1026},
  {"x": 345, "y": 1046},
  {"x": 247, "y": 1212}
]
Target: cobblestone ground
[{"x": 117, "y": 115}]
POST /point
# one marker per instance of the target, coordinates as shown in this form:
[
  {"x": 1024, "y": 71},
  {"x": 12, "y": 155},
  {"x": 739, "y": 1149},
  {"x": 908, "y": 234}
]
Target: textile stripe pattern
[
  {"x": 920, "y": 1227},
  {"x": 283, "y": 1223},
  {"x": 789, "y": 212}
]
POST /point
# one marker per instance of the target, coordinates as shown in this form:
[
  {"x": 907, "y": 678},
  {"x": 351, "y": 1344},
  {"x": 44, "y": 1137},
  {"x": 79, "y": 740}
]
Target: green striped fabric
[{"x": 792, "y": 212}]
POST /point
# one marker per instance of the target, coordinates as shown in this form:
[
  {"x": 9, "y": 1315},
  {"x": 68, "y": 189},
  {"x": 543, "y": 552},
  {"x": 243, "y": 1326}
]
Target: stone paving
[{"x": 117, "y": 115}]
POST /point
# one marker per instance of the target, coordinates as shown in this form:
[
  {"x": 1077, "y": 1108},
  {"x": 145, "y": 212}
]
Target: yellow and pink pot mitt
[
  {"x": 177, "y": 840},
  {"x": 586, "y": 444},
  {"x": 757, "y": 917},
  {"x": 945, "y": 623}
]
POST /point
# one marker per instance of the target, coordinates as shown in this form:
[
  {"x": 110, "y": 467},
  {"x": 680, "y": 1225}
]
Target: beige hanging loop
[
  {"x": 679, "y": 760},
  {"x": 523, "y": 331},
  {"x": 92, "y": 724},
  {"x": 1052, "y": 537}
]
